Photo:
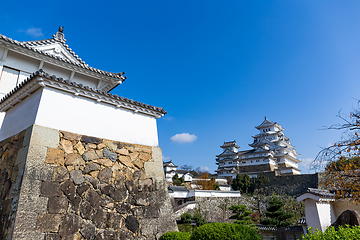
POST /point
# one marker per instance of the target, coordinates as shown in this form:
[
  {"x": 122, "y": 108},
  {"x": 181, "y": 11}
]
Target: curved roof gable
[
  {"x": 266, "y": 123},
  {"x": 56, "y": 48}
]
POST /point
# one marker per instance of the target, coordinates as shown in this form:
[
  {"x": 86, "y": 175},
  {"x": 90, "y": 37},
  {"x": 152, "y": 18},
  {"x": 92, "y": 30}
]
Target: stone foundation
[
  {"x": 81, "y": 187},
  {"x": 292, "y": 185},
  {"x": 11, "y": 172}
]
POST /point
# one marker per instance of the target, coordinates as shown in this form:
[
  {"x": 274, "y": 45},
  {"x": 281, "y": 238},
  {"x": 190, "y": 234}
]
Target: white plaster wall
[
  {"x": 324, "y": 210},
  {"x": 187, "y": 178},
  {"x": 21, "y": 116},
  {"x": 66, "y": 112},
  {"x": 58, "y": 72},
  {"x": 2, "y": 49},
  {"x": 204, "y": 193},
  {"x": 311, "y": 213},
  {"x": 179, "y": 194},
  {"x": 341, "y": 205},
  {"x": 225, "y": 188},
  {"x": 21, "y": 62},
  {"x": 211, "y": 193},
  {"x": 85, "y": 80}
]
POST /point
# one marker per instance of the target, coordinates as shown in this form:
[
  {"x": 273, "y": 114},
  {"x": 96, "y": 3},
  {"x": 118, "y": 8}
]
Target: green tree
[
  {"x": 242, "y": 215},
  {"x": 198, "y": 218},
  {"x": 177, "y": 181},
  {"x": 242, "y": 182},
  {"x": 261, "y": 181},
  {"x": 216, "y": 186},
  {"x": 341, "y": 159},
  {"x": 258, "y": 183},
  {"x": 275, "y": 214}
]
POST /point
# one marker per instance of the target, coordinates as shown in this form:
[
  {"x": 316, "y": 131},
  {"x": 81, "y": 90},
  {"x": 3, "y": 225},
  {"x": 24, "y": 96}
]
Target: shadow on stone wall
[{"x": 291, "y": 185}]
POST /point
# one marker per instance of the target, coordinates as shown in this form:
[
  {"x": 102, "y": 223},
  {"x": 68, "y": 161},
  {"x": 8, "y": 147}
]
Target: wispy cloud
[
  {"x": 183, "y": 138},
  {"x": 168, "y": 118},
  {"x": 34, "y": 32},
  {"x": 305, "y": 164},
  {"x": 204, "y": 169},
  {"x": 165, "y": 158}
]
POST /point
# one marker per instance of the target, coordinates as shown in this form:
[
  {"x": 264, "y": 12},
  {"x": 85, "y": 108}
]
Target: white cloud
[
  {"x": 183, "y": 138},
  {"x": 204, "y": 169},
  {"x": 165, "y": 158},
  {"x": 34, "y": 32},
  {"x": 167, "y": 118}
]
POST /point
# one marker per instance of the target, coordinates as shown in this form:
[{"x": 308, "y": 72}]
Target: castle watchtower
[{"x": 76, "y": 162}]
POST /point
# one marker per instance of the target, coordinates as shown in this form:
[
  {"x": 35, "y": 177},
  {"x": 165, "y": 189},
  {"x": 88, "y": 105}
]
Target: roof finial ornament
[
  {"x": 265, "y": 118},
  {"x": 59, "y": 36}
]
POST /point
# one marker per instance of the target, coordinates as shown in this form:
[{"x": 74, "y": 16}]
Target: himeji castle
[{"x": 272, "y": 152}]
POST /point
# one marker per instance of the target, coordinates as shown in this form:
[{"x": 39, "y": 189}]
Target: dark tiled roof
[
  {"x": 177, "y": 188},
  {"x": 182, "y": 171},
  {"x": 41, "y": 73},
  {"x": 230, "y": 144},
  {"x": 165, "y": 164},
  {"x": 82, "y": 64},
  {"x": 320, "y": 192}
]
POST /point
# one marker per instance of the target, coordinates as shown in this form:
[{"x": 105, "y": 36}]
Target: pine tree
[
  {"x": 242, "y": 215},
  {"x": 275, "y": 214},
  {"x": 177, "y": 181}
]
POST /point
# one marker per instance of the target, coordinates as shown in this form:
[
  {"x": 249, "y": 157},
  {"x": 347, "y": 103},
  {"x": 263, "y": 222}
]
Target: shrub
[
  {"x": 185, "y": 218},
  {"x": 185, "y": 227},
  {"x": 348, "y": 233},
  {"x": 175, "y": 236},
  {"x": 199, "y": 219},
  {"x": 224, "y": 231}
]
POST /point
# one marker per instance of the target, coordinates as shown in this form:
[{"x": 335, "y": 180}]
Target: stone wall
[
  {"x": 11, "y": 172},
  {"x": 81, "y": 187},
  {"x": 217, "y": 209},
  {"x": 289, "y": 185}
]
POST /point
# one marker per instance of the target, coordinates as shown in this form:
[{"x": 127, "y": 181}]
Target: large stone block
[
  {"x": 46, "y": 137},
  {"x": 48, "y": 222},
  {"x": 55, "y": 156}
]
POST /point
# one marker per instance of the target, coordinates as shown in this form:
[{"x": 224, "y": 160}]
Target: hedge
[
  {"x": 348, "y": 233},
  {"x": 224, "y": 231},
  {"x": 175, "y": 236}
]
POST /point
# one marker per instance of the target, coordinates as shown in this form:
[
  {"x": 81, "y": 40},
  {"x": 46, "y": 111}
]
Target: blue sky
[{"x": 217, "y": 67}]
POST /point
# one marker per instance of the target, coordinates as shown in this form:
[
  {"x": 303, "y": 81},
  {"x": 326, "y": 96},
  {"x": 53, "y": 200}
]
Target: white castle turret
[{"x": 272, "y": 151}]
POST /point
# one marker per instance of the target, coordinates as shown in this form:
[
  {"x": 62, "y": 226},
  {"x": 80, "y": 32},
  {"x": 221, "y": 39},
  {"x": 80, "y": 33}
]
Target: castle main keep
[{"x": 271, "y": 152}]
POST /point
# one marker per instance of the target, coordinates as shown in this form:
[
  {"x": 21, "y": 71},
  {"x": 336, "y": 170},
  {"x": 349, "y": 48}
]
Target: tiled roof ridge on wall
[
  {"x": 82, "y": 64},
  {"x": 47, "y": 41},
  {"x": 42, "y": 73}
]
